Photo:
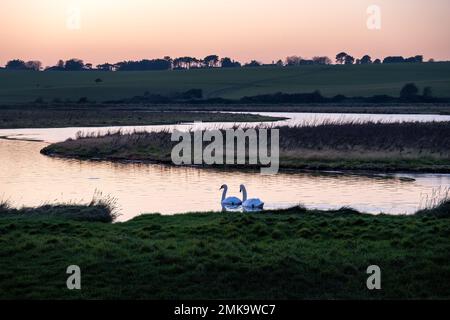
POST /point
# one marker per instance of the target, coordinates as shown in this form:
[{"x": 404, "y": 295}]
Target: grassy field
[
  {"x": 354, "y": 80},
  {"x": 418, "y": 147},
  {"x": 292, "y": 254},
  {"x": 93, "y": 116}
]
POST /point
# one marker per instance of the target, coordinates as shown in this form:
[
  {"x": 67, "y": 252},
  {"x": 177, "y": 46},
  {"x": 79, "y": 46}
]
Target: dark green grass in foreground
[
  {"x": 294, "y": 254},
  {"x": 354, "y": 80}
]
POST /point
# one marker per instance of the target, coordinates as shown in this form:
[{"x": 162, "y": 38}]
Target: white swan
[
  {"x": 230, "y": 201},
  {"x": 250, "y": 203}
]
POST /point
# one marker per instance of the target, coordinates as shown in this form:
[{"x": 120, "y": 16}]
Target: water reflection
[
  {"x": 28, "y": 178},
  {"x": 301, "y": 119}
]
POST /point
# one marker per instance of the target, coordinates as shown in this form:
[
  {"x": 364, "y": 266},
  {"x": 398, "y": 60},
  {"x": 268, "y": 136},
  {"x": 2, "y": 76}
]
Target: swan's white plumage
[
  {"x": 230, "y": 201},
  {"x": 253, "y": 204},
  {"x": 250, "y": 203}
]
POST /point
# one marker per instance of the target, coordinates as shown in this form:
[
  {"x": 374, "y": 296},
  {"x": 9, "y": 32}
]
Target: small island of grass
[{"x": 385, "y": 147}]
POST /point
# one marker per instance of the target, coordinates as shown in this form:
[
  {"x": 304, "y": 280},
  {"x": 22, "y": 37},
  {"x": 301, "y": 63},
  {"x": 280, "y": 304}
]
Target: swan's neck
[
  {"x": 224, "y": 194},
  {"x": 244, "y": 194}
]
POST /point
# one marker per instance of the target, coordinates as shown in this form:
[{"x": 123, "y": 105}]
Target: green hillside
[{"x": 353, "y": 80}]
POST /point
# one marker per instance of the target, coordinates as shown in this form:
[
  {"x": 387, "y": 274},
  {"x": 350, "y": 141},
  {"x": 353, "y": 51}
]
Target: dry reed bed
[{"x": 332, "y": 141}]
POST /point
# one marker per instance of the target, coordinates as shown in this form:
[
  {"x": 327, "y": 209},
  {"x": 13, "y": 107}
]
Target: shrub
[
  {"x": 100, "y": 209},
  {"x": 409, "y": 91},
  {"x": 441, "y": 211}
]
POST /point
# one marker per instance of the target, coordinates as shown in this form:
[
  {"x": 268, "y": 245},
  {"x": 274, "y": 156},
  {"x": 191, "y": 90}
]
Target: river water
[{"x": 28, "y": 178}]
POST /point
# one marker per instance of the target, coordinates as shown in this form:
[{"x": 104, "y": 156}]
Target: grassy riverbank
[
  {"x": 419, "y": 147},
  {"x": 96, "y": 116},
  {"x": 294, "y": 254}
]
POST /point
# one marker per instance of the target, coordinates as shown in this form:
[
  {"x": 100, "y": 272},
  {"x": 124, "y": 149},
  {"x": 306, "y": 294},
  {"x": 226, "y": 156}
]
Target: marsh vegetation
[
  {"x": 103, "y": 116},
  {"x": 354, "y": 146},
  {"x": 99, "y": 209}
]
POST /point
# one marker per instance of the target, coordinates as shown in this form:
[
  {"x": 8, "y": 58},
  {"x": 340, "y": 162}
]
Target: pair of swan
[{"x": 235, "y": 202}]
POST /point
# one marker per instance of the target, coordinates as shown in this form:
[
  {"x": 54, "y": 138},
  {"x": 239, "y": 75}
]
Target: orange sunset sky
[{"x": 266, "y": 30}]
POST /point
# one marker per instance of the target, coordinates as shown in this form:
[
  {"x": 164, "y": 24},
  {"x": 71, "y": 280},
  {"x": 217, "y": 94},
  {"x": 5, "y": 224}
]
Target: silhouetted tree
[
  {"x": 321, "y": 60},
  {"x": 169, "y": 60},
  {"x": 409, "y": 91},
  {"x": 60, "y": 65},
  {"x": 366, "y": 59},
  {"x": 184, "y": 62},
  {"x": 190, "y": 62},
  {"x": 349, "y": 59},
  {"x": 396, "y": 59},
  {"x": 399, "y": 59},
  {"x": 253, "y": 63},
  {"x": 306, "y": 62},
  {"x": 211, "y": 61},
  {"x": 74, "y": 65},
  {"x": 344, "y": 58},
  {"x": 228, "y": 63},
  {"x": 293, "y": 61},
  {"x": 33, "y": 65},
  {"x": 16, "y": 65},
  {"x": 22, "y": 65},
  {"x": 340, "y": 57},
  {"x": 196, "y": 63},
  {"x": 177, "y": 63},
  {"x": 144, "y": 65},
  {"x": 415, "y": 59},
  {"x": 427, "y": 93}
]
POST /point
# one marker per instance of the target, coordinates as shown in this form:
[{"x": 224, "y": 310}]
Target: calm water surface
[
  {"x": 30, "y": 179},
  {"x": 300, "y": 119}
]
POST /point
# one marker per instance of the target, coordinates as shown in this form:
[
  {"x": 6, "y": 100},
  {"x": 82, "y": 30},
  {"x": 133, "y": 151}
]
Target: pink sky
[{"x": 266, "y": 30}]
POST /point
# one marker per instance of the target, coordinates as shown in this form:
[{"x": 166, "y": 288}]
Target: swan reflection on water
[
  {"x": 234, "y": 204},
  {"x": 240, "y": 209}
]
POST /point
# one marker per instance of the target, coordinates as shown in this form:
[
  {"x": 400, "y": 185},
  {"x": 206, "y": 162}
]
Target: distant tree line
[
  {"x": 210, "y": 61},
  {"x": 409, "y": 93},
  {"x": 22, "y": 65},
  {"x": 344, "y": 58}
]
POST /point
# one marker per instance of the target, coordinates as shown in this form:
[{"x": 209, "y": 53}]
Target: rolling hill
[{"x": 350, "y": 80}]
